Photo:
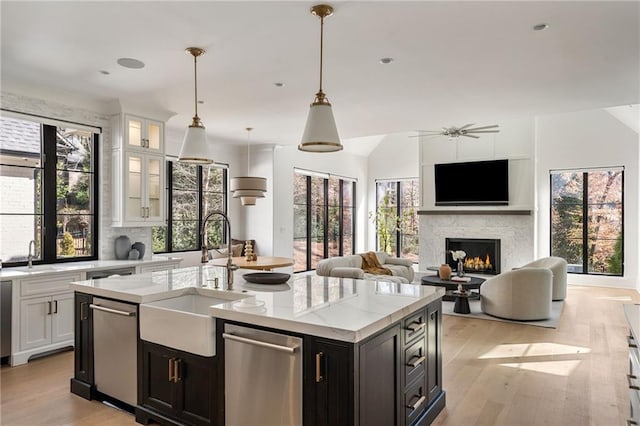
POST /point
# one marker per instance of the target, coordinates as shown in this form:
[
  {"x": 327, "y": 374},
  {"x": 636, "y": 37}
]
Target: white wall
[
  {"x": 342, "y": 163},
  {"x": 582, "y": 140}
]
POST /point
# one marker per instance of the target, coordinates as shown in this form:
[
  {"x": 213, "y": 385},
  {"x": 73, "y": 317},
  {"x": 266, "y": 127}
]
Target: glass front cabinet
[{"x": 138, "y": 178}]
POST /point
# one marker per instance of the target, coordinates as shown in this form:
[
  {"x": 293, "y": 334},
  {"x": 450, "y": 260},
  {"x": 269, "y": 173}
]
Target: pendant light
[
  {"x": 320, "y": 133},
  {"x": 248, "y": 188},
  {"x": 195, "y": 148}
]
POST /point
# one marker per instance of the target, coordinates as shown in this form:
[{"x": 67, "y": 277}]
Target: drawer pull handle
[
  {"x": 416, "y": 361},
  {"x": 171, "y": 366},
  {"x": 84, "y": 312},
  {"x": 55, "y": 306},
  {"x": 49, "y": 308},
  {"x": 631, "y": 422},
  {"x": 631, "y": 342},
  {"x": 418, "y": 403},
  {"x": 319, "y": 377},
  {"x": 631, "y": 385},
  {"x": 415, "y": 326}
]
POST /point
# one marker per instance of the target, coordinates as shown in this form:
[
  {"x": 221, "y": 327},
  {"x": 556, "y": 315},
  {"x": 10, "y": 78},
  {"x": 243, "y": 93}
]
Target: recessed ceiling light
[
  {"x": 130, "y": 63},
  {"x": 540, "y": 27},
  {"x": 105, "y": 72},
  {"x": 278, "y": 84},
  {"x": 386, "y": 60}
]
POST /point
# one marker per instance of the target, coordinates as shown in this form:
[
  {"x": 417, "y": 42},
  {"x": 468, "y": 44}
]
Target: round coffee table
[{"x": 473, "y": 284}]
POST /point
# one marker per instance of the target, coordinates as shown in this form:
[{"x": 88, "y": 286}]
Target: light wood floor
[{"x": 494, "y": 373}]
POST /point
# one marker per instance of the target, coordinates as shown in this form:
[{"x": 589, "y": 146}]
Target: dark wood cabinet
[
  {"x": 391, "y": 378},
  {"x": 176, "y": 386},
  {"x": 82, "y": 383},
  {"x": 328, "y": 388},
  {"x": 379, "y": 379}
]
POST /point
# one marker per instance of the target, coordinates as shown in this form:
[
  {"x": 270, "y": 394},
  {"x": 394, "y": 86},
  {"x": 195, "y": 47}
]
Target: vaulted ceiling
[{"x": 453, "y": 62}]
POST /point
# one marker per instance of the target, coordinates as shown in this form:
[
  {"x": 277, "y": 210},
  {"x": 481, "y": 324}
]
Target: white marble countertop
[
  {"x": 89, "y": 265},
  {"x": 336, "y": 308}
]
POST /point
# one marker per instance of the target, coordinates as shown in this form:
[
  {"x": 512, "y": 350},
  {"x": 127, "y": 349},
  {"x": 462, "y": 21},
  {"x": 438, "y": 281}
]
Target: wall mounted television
[{"x": 478, "y": 183}]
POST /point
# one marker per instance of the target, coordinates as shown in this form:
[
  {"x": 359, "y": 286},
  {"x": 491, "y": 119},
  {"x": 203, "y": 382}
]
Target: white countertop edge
[
  {"x": 83, "y": 266},
  {"x": 350, "y": 336}
]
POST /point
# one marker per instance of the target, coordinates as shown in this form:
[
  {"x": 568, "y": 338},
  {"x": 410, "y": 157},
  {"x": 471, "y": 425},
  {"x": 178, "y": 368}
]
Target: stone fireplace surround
[{"x": 514, "y": 228}]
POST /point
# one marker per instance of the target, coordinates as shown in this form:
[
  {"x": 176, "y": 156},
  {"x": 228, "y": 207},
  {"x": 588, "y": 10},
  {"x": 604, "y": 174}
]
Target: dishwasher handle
[
  {"x": 112, "y": 311},
  {"x": 288, "y": 349}
]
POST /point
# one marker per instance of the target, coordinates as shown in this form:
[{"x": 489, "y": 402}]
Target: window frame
[
  {"x": 585, "y": 217},
  {"x": 169, "y": 191},
  {"x": 399, "y": 211},
  {"x": 49, "y": 231},
  {"x": 325, "y": 207}
]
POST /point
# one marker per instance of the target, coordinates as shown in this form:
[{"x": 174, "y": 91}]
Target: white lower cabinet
[{"x": 44, "y": 318}]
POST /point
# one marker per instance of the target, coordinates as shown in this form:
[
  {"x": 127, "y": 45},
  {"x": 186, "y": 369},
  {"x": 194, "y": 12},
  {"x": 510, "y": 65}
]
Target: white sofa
[
  {"x": 558, "y": 267},
  {"x": 521, "y": 294},
  {"x": 351, "y": 267}
]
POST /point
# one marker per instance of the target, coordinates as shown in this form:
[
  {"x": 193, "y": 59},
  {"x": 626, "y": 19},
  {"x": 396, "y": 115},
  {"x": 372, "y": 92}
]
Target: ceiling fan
[{"x": 456, "y": 132}]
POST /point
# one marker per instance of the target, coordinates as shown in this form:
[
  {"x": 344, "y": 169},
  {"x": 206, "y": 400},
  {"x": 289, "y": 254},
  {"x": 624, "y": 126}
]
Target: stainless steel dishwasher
[
  {"x": 115, "y": 332},
  {"x": 263, "y": 377}
]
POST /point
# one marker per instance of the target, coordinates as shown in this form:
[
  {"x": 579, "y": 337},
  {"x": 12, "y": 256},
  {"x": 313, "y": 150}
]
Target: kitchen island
[{"x": 316, "y": 350}]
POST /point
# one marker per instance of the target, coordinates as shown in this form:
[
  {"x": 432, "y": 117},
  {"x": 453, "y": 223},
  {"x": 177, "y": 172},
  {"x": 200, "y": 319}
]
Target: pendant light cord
[
  {"x": 195, "y": 85},
  {"x": 249, "y": 129},
  {"x": 321, "y": 47}
]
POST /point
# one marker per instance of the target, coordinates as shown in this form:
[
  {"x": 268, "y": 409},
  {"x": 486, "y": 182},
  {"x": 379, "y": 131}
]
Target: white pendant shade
[
  {"x": 195, "y": 148},
  {"x": 248, "y": 186},
  {"x": 320, "y": 132}
]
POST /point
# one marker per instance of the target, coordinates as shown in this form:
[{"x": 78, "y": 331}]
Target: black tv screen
[{"x": 478, "y": 183}]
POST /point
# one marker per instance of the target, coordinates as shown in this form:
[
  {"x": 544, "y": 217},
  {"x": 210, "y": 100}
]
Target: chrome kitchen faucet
[{"x": 205, "y": 251}]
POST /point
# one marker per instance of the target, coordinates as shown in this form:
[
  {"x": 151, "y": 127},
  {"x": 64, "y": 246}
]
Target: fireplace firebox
[{"x": 483, "y": 255}]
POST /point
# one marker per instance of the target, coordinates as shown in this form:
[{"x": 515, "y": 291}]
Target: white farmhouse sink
[{"x": 182, "y": 323}]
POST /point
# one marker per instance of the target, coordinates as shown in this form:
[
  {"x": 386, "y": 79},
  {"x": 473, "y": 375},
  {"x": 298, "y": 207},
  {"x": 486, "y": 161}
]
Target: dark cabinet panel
[
  {"x": 176, "y": 385},
  {"x": 380, "y": 384},
  {"x": 434, "y": 350},
  {"x": 82, "y": 383},
  {"x": 328, "y": 391}
]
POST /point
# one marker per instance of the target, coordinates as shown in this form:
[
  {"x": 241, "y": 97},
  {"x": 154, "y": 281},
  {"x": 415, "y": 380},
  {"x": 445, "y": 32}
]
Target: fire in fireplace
[{"x": 483, "y": 255}]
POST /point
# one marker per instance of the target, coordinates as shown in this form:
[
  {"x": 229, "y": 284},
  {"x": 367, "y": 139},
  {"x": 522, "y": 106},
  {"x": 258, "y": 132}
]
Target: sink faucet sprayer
[
  {"x": 30, "y": 256},
  {"x": 205, "y": 251}
]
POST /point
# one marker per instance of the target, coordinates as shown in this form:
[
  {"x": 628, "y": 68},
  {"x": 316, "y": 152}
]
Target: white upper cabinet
[
  {"x": 143, "y": 133},
  {"x": 138, "y": 170}
]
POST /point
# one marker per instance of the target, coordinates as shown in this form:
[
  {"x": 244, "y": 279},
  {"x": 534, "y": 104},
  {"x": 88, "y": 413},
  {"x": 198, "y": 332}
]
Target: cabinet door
[
  {"x": 380, "y": 388},
  {"x": 134, "y": 187},
  {"x": 62, "y": 318},
  {"x": 154, "y": 135},
  {"x": 196, "y": 388},
  {"x": 328, "y": 395},
  {"x": 434, "y": 350},
  {"x": 134, "y": 131},
  {"x": 154, "y": 189},
  {"x": 158, "y": 391},
  {"x": 35, "y": 322}
]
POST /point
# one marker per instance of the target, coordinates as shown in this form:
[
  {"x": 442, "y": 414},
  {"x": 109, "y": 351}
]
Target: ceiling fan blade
[
  {"x": 466, "y": 125},
  {"x": 482, "y": 131},
  {"x": 470, "y": 136},
  {"x": 482, "y": 128},
  {"x": 429, "y": 131}
]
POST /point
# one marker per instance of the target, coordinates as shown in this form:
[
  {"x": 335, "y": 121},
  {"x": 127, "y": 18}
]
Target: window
[
  {"x": 324, "y": 222},
  {"x": 54, "y": 202},
  {"x": 193, "y": 191},
  {"x": 396, "y": 217},
  {"x": 587, "y": 220}
]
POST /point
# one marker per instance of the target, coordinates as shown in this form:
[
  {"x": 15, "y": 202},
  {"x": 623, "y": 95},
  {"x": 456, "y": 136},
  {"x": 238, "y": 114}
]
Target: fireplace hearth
[{"x": 483, "y": 255}]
